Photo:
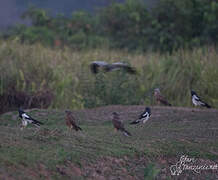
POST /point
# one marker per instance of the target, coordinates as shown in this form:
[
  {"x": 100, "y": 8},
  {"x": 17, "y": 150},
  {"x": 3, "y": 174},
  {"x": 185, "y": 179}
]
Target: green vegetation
[
  {"x": 35, "y": 76},
  {"x": 173, "y": 46},
  {"x": 54, "y": 151},
  {"x": 169, "y": 26},
  {"x": 150, "y": 172},
  {"x": 46, "y": 65}
]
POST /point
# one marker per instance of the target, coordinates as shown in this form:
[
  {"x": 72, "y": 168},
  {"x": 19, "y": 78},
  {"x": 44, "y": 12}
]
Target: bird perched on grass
[
  {"x": 96, "y": 65},
  {"x": 118, "y": 125},
  {"x": 143, "y": 117},
  {"x": 159, "y": 98},
  {"x": 197, "y": 101},
  {"x": 70, "y": 121},
  {"x": 26, "y": 119}
]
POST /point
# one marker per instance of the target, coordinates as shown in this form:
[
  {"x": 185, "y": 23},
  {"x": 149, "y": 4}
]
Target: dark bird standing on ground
[
  {"x": 143, "y": 117},
  {"x": 110, "y": 67},
  {"x": 26, "y": 119},
  {"x": 70, "y": 121},
  {"x": 197, "y": 101},
  {"x": 118, "y": 125},
  {"x": 160, "y": 98}
]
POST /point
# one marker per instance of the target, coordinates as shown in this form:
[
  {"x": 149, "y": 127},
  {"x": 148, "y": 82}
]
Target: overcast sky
[
  {"x": 8, "y": 12},
  {"x": 11, "y": 10}
]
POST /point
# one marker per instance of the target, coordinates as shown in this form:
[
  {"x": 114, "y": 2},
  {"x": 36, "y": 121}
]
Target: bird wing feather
[
  {"x": 94, "y": 66},
  {"x": 196, "y": 98}
]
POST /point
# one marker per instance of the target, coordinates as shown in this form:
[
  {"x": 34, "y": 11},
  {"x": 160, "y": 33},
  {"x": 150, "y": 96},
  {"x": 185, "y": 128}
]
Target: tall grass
[{"x": 65, "y": 73}]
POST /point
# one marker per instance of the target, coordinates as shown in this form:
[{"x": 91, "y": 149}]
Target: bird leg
[
  {"x": 69, "y": 130},
  {"x": 193, "y": 109}
]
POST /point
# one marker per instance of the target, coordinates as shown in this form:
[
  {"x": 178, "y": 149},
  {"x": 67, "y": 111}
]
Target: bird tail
[
  {"x": 165, "y": 102},
  {"x": 78, "y": 128},
  {"x": 38, "y": 123},
  {"x": 134, "y": 122},
  {"x": 207, "y": 105},
  {"x": 126, "y": 133}
]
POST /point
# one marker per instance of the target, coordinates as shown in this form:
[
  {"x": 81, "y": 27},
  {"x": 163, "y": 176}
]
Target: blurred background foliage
[{"x": 168, "y": 26}]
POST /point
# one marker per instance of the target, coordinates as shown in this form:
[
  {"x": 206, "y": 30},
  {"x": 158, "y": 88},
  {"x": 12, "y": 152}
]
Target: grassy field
[
  {"x": 61, "y": 78},
  {"x": 98, "y": 152}
]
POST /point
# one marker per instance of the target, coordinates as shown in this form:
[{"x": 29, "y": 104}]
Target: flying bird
[
  {"x": 160, "y": 98},
  {"x": 26, "y": 119},
  {"x": 70, "y": 121},
  {"x": 197, "y": 101},
  {"x": 96, "y": 65},
  {"x": 143, "y": 117},
  {"x": 118, "y": 125}
]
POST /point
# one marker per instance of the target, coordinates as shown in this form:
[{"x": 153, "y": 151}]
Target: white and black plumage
[
  {"x": 118, "y": 125},
  {"x": 143, "y": 117},
  {"x": 95, "y": 65},
  {"x": 26, "y": 119},
  {"x": 197, "y": 101}
]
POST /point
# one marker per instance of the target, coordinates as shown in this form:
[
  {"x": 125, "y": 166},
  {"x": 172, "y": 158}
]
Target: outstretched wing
[
  {"x": 124, "y": 66},
  {"x": 95, "y": 65}
]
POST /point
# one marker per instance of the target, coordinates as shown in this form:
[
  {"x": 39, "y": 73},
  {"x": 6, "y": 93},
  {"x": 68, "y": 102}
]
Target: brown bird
[
  {"x": 118, "y": 125},
  {"x": 160, "y": 98},
  {"x": 70, "y": 121}
]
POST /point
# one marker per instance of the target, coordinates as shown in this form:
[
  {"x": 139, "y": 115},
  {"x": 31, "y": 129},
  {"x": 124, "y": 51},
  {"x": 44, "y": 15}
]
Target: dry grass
[{"x": 64, "y": 73}]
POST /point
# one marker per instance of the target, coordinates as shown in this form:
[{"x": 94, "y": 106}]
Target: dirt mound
[{"x": 14, "y": 99}]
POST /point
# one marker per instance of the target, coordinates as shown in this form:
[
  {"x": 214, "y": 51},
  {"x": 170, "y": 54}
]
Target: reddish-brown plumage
[
  {"x": 159, "y": 98},
  {"x": 118, "y": 125},
  {"x": 70, "y": 121}
]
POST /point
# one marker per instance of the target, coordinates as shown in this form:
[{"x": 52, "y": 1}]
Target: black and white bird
[
  {"x": 197, "y": 101},
  {"x": 26, "y": 119},
  {"x": 96, "y": 65},
  {"x": 143, "y": 117}
]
